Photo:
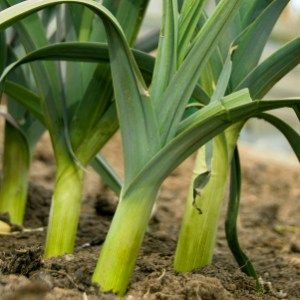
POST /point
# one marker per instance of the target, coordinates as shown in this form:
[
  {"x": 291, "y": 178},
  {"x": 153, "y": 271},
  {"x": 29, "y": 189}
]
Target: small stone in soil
[
  {"x": 4, "y": 228},
  {"x": 295, "y": 247}
]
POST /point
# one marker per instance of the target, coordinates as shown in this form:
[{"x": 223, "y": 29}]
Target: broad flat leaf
[
  {"x": 32, "y": 36},
  {"x": 94, "y": 103},
  {"x": 91, "y": 101},
  {"x": 28, "y": 99},
  {"x": 81, "y": 73},
  {"x": 89, "y": 52},
  {"x": 130, "y": 15},
  {"x": 135, "y": 114},
  {"x": 166, "y": 61},
  {"x": 199, "y": 129},
  {"x": 270, "y": 71},
  {"x": 189, "y": 18},
  {"x": 247, "y": 53},
  {"x": 30, "y": 126},
  {"x": 93, "y": 52},
  {"x": 138, "y": 124},
  {"x": 85, "y": 25},
  {"x": 212, "y": 70},
  {"x": 98, "y": 137},
  {"x": 252, "y": 9},
  {"x": 181, "y": 87},
  {"x": 76, "y": 12}
]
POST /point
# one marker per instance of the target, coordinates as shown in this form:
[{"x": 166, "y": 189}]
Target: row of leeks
[
  {"x": 204, "y": 87},
  {"x": 68, "y": 126}
]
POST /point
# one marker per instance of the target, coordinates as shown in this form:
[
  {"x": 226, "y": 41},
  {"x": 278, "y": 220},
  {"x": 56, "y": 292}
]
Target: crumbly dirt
[{"x": 269, "y": 231}]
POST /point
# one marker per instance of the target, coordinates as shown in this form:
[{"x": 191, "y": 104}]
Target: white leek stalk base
[
  {"x": 13, "y": 195},
  {"x": 120, "y": 250},
  {"x": 16, "y": 160},
  {"x": 198, "y": 232},
  {"x": 65, "y": 211}
]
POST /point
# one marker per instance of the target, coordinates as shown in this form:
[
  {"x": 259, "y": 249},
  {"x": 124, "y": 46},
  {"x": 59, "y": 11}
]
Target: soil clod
[{"x": 22, "y": 261}]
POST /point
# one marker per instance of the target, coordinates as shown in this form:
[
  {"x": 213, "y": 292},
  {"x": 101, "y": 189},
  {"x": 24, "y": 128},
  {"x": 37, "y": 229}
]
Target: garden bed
[{"x": 269, "y": 231}]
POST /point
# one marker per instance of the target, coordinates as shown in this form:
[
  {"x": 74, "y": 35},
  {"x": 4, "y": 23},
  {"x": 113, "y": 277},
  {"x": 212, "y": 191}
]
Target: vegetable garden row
[{"x": 205, "y": 81}]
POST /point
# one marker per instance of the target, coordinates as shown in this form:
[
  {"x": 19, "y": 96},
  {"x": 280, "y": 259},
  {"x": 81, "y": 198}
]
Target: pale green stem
[
  {"x": 65, "y": 210},
  {"x": 198, "y": 231},
  {"x": 123, "y": 241},
  {"x": 16, "y": 160}
]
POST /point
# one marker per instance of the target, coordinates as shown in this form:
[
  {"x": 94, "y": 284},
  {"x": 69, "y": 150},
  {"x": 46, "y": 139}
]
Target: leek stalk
[
  {"x": 16, "y": 161},
  {"x": 154, "y": 136},
  {"x": 198, "y": 232},
  {"x": 124, "y": 239},
  {"x": 65, "y": 209}
]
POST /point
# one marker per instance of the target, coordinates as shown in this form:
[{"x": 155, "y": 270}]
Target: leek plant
[
  {"x": 75, "y": 116},
  {"x": 155, "y": 136},
  {"x": 240, "y": 69},
  {"x": 22, "y": 134},
  {"x": 18, "y": 149}
]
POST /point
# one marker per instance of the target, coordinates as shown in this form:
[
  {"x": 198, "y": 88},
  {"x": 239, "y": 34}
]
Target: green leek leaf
[
  {"x": 181, "y": 87},
  {"x": 189, "y": 18},
  {"x": 107, "y": 173},
  {"x": 93, "y": 52},
  {"x": 28, "y": 99},
  {"x": 247, "y": 53},
  {"x": 223, "y": 80},
  {"x": 290, "y": 134},
  {"x": 271, "y": 70},
  {"x": 166, "y": 62},
  {"x": 201, "y": 127},
  {"x": 231, "y": 219}
]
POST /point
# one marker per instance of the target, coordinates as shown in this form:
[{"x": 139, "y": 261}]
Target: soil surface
[{"x": 269, "y": 231}]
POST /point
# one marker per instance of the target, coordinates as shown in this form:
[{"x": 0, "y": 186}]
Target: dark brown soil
[{"x": 269, "y": 231}]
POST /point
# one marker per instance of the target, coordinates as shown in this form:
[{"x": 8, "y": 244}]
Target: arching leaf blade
[
  {"x": 289, "y": 133},
  {"x": 93, "y": 52},
  {"x": 247, "y": 53},
  {"x": 25, "y": 97},
  {"x": 202, "y": 127},
  {"x": 129, "y": 84},
  {"x": 272, "y": 69}
]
